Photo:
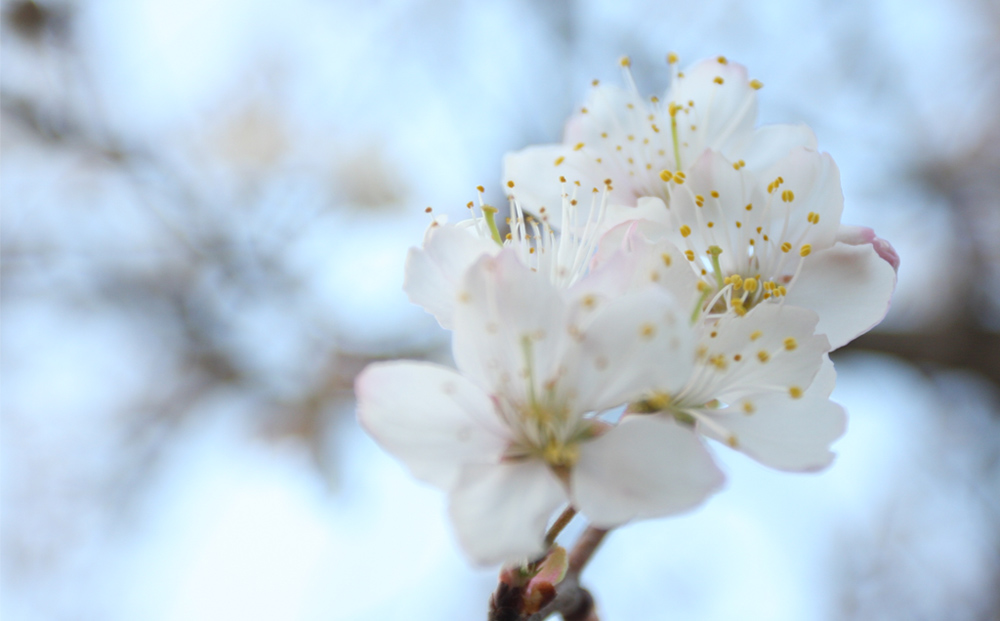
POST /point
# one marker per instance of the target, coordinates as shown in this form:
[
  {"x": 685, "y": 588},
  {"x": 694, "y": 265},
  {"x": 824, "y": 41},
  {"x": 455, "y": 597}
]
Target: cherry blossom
[
  {"x": 513, "y": 434},
  {"x": 773, "y": 237},
  {"x": 434, "y": 271}
]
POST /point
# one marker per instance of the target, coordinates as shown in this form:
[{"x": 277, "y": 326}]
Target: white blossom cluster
[{"x": 669, "y": 274}]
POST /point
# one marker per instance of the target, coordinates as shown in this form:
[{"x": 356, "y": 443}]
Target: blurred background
[{"x": 205, "y": 212}]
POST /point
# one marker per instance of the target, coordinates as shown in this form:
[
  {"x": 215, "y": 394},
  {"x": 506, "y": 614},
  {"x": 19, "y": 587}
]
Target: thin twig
[{"x": 561, "y": 522}]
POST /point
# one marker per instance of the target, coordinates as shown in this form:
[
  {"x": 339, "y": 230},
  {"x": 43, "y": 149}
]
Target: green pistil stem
[
  {"x": 715, "y": 251},
  {"x": 489, "y": 213},
  {"x": 701, "y": 302}
]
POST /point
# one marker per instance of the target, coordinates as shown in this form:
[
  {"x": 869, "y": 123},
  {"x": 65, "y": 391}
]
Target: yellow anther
[
  {"x": 480, "y": 188},
  {"x": 699, "y": 200},
  {"x": 714, "y": 194},
  {"x": 578, "y": 146},
  {"x": 756, "y": 334},
  {"x": 666, "y": 259},
  {"x": 510, "y": 184},
  {"x": 562, "y": 179},
  {"x": 737, "y": 357},
  {"x": 763, "y": 356},
  {"x": 782, "y": 290},
  {"x": 805, "y": 250},
  {"x": 595, "y": 82},
  {"x": 732, "y": 441},
  {"x": 748, "y": 407},
  {"x": 560, "y": 160},
  {"x": 736, "y": 280},
  {"x": 680, "y": 74},
  {"x": 689, "y": 254},
  {"x": 795, "y": 392},
  {"x": 631, "y": 137},
  {"x": 673, "y": 108},
  {"x": 666, "y": 175},
  {"x": 750, "y": 284},
  {"x": 647, "y": 331},
  {"x": 788, "y": 196},
  {"x": 469, "y": 204},
  {"x": 791, "y": 343},
  {"x": 679, "y": 177},
  {"x": 604, "y": 134},
  {"x": 702, "y": 285},
  {"x": 654, "y": 99},
  {"x": 685, "y": 230},
  {"x": 749, "y": 206},
  {"x": 785, "y": 247},
  {"x": 672, "y": 58},
  {"x": 738, "y": 308},
  {"x": 718, "y": 79},
  {"x": 625, "y": 61},
  {"x": 710, "y": 224},
  {"x": 722, "y": 60},
  {"x": 655, "y": 128},
  {"x": 583, "y": 110},
  {"x": 739, "y": 224},
  {"x": 813, "y": 217},
  {"x": 756, "y": 85}
]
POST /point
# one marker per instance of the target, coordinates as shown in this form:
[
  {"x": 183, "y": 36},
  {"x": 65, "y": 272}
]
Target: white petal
[
  {"x": 722, "y": 112},
  {"x": 772, "y": 349},
  {"x": 431, "y": 418},
  {"x": 769, "y": 143},
  {"x": 637, "y": 343},
  {"x": 645, "y": 467},
  {"x": 510, "y": 325},
  {"x": 783, "y": 432},
  {"x": 813, "y": 181},
  {"x": 849, "y": 287},
  {"x": 500, "y": 511},
  {"x": 434, "y": 272},
  {"x": 536, "y": 175}
]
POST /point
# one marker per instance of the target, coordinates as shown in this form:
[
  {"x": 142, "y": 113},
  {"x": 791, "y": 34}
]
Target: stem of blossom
[
  {"x": 561, "y": 522},
  {"x": 585, "y": 547}
]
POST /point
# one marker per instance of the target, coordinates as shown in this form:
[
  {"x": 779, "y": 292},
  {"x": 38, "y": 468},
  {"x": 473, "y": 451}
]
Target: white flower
[
  {"x": 774, "y": 238},
  {"x": 762, "y": 385},
  {"x": 512, "y": 435},
  {"x": 434, "y": 271},
  {"x": 761, "y": 381},
  {"x": 629, "y": 141}
]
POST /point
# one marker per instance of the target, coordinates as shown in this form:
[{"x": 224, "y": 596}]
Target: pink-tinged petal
[
  {"x": 510, "y": 325},
  {"x": 784, "y": 431},
  {"x": 725, "y": 107},
  {"x": 769, "y": 143},
  {"x": 645, "y": 467},
  {"x": 858, "y": 235},
  {"x": 637, "y": 343},
  {"x": 849, "y": 287},
  {"x": 500, "y": 511},
  {"x": 433, "y": 273},
  {"x": 636, "y": 255},
  {"x": 772, "y": 348},
  {"x": 431, "y": 418}
]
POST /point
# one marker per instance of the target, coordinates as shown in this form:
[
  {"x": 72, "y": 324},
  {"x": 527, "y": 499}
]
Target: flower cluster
[{"x": 669, "y": 274}]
